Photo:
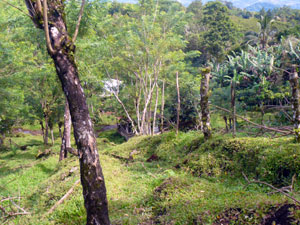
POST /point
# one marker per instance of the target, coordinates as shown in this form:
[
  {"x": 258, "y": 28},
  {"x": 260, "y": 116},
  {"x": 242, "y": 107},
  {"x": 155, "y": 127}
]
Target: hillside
[{"x": 168, "y": 180}]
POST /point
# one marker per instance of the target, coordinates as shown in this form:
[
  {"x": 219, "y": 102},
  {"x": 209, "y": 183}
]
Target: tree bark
[
  {"x": 178, "y": 102},
  {"x": 66, "y": 138},
  {"x": 205, "y": 115},
  {"x": 295, "y": 103},
  {"x": 62, "y": 50},
  {"x": 233, "y": 107}
]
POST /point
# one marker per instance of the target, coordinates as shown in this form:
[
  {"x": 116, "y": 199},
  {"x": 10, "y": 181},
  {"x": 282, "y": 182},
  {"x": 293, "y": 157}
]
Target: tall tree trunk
[
  {"x": 66, "y": 138},
  {"x": 155, "y": 111},
  {"x": 205, "y": 115},
  {"x": 62, "y": 50},
  {"x": 233, "y": 108},
  {"x": 294, "y": 82},
  {"x": 162, "y": 107},
  {"x": 178, "y": 102}
]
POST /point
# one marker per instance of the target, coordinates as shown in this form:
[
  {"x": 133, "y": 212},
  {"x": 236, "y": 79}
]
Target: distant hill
[
  {"x": 250, "y": 5},
  {"x": 256, "y": 5},
  {"x": 260, "y": 5}
]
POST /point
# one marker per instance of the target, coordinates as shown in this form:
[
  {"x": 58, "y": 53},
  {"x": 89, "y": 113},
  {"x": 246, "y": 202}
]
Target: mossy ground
[{"x": 191, "y": 182}]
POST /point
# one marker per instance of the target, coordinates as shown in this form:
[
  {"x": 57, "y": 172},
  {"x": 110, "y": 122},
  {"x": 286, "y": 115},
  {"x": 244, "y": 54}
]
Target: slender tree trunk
[
  {"x": 66, "y": 138},
  {"x": 233, "y": 108},
  {"x": 59, "y": 128},
  {"x": 226, "y": 124},
  {"x": 43, "y": 130},
  {"x": 204, "y": 90},
  {"x": 178, "y": 102},
  {"x": 294, "y": 82},
  {"x": 51, "y": 132},
  {"x": 46, "y": 129},
  {"x": 62, "y": 50},
  {"x": 155, "y": 110},
  {"x": 162, "y": 107}
]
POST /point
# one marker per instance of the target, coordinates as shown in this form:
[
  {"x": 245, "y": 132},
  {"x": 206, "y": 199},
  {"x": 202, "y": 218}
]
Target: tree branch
[
  {"x": 17, "y": 8},
  {"x": 258, "y": 125},
  {"x": 46, "y": 28},
  {"x": 39, "y": 6},
  {"x": 78, "y": 21},
  {"x": 63, "y": 198},
  {"x": 271, "y": 186}
]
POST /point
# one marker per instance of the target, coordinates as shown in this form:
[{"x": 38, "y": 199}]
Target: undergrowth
[{"x": 188, "y": 182}]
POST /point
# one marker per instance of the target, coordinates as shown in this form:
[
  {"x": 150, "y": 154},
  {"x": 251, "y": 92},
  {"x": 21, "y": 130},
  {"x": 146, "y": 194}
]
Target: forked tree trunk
[
  {"x": 62, "y": 49},
  {"x": 233, "y": 108},
  {"x": 178, "y": 102},
  {"x": 294, "y": 82},
  {"x": 66, "y": 138},
  {"x": 205, "y": 115}
]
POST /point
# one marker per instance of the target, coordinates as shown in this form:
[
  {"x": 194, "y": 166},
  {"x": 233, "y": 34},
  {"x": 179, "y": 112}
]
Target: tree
[
  {"x": 137, "y": 52},
  {"x": 50, "y": 17},
  {"x": 220, "y": 33},
  {"x": 204, "y": 94}
]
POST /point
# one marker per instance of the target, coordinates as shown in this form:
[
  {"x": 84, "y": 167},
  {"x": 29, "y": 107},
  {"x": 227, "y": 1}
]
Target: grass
[{"x": 189, "y": 184}]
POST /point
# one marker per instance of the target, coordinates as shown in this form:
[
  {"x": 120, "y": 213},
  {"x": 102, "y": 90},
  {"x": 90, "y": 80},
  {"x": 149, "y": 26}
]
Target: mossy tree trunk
[
  {"x": 204, "y": 92},
  {"x": 61, "y": 48},
  {"x": 294, "y": 82},
  {"x": 66, "y": 137}
]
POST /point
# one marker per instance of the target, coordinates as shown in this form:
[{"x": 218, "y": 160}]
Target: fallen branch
[
  {"x": 271, "y": 186},
  {"x": 63, "y": 198},
  {"x": 257, "y": 125}
]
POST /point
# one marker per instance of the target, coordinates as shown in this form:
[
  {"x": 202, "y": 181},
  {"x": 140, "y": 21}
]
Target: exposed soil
[
  {"x": 279, "y": 215},
  {"x": 153, "y": 157}
]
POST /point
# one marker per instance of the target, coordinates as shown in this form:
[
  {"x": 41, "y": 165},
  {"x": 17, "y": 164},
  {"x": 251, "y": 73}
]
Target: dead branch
[
  {"x": 78, "y": 21},
  {"x": 271, "y": 186},
  {"x": 257, "y": 125},
  {"x": 64, "y": 197}
]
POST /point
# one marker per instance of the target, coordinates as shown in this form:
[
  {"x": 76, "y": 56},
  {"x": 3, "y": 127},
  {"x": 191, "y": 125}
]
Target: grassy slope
[{"x": 139, "y": 192}]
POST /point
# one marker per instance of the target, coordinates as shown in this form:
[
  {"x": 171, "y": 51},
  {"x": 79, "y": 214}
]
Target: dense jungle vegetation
[{"x": 193, "y": 111}]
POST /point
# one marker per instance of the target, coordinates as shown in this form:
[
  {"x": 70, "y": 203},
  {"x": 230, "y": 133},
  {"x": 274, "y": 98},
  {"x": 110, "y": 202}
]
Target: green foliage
[{"x": 220, "y": 34}]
